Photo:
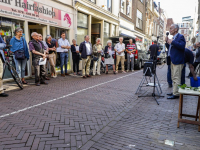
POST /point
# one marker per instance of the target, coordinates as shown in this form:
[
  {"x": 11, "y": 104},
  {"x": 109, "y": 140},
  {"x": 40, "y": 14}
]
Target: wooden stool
[{"x": 180, "y": 114}]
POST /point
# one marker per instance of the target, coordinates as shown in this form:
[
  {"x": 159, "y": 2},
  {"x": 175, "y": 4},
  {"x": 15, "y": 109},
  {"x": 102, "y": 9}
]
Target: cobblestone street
[{"x": 101, "y": 112}]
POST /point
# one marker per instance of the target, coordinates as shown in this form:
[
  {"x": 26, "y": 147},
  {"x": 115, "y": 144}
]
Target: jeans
[
  {"x": 63, "y": 60},
  {"x": 128, "y": 62},
  {"x": 20, "y": 66},
  {"x": 169, "y": 78}
]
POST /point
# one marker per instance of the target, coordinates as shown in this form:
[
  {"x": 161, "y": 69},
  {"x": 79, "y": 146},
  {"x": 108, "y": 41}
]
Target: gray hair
[
  {"x": 176, "y": 26},
  {"x": 109, "y": 41},
  {"x": 131, "y": 40},
  {"x": 73, "y": 40},
  {"x": 48, "y": 36},
  {"x": 18, "y": 29},
  {"x": 86, "y": 36},
  {"x": 33, "y": 33},
  {"x": 121, "y": 38},
  {"x": 98, "y": 39}
]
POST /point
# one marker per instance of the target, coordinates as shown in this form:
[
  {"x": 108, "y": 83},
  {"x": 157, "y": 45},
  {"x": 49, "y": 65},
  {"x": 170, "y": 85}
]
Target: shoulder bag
[{"x": 20, "y": 54}]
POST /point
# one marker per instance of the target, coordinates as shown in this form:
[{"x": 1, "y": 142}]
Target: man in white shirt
[
  {"x": 86, "y": 52},
  {"x": 64, "y": 44},
  {"x": 119, "y": 49}
]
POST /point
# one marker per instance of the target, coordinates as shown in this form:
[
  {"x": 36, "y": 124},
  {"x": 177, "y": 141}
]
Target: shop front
[{"x": 40, "y": 18}]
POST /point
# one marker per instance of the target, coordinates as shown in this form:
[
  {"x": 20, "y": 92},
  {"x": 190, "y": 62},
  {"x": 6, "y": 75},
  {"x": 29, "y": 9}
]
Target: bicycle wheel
[{"x": 15, "y": 76}]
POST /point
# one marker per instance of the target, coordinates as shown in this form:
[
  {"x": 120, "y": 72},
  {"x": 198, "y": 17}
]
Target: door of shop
[
  {"x": 96, "y": 31},
  {"x": 41, "y": 29}
]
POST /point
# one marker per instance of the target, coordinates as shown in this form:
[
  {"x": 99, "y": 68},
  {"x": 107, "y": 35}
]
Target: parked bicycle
[{"x": 14, "y": 74}]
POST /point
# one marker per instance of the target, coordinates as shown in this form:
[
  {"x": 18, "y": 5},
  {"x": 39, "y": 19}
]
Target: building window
[
  {"x": 123, "y": 6},
  {"x": 82, "y": 28},
  {"x": 139, "y": 20},
  {"x": 182, "y": 31},
  {"x": 109, "y": 5},
  {"x": 128, "y": 13},
  {"x": 106, "y": 33},
  {"x": 113, "y": 30},
  {"x": 94, "y": 1}
]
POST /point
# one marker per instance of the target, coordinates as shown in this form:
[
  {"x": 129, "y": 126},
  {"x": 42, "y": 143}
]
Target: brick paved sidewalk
[{"x": 95, "y": 113}]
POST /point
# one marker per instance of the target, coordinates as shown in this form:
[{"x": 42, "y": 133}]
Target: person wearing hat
[
  {"x": 109, "y": 52},
  {"x": 19, "y": 43}
]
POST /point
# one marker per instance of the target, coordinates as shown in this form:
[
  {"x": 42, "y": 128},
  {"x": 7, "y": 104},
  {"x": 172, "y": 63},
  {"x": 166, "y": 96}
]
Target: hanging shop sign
[{"x": 37, "y": 12}]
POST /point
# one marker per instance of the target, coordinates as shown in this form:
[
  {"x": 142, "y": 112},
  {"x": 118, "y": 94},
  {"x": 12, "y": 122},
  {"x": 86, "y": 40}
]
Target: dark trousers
[
  {"x": 169, "y": 77},
  {"x": 39, "y": 73},
  {"x": 75, "y": 63},
  {"x": 195, "y": 64}
]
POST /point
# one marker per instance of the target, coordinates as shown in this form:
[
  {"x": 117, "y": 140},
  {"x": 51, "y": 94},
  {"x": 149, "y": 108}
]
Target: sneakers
[
  {"x": 127, "y": 70},
  {"x": 132, "y": 70},
  {"x": 123, "y": 71}
]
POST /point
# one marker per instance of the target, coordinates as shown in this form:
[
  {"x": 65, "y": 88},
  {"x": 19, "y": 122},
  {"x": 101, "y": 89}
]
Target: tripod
[{"x": 151, "y": 72}]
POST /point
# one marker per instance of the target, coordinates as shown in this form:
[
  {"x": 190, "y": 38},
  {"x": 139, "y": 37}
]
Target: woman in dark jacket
[
  {"x": 75, "y": 57},
  {"x": 109, "y": 50}
]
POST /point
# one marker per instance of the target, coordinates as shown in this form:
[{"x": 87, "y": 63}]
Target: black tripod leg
[
  {"x": 159, "y": 84},
  {"x": 140, "y": 86}
]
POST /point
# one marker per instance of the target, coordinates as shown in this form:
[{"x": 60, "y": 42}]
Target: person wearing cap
[
  {"x": 52, "y": 55},
  {"x": 2, "y": 60},
  {"x": 19, "y": 43}
]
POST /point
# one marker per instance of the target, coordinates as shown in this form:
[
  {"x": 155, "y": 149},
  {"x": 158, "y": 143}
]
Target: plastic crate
[{"x": 194, "y": 83}]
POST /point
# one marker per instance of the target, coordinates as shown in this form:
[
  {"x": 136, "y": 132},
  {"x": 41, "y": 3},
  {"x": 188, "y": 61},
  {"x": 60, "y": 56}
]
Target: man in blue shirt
[
  {"x": 64, "y": 44},
  {"x": 176, "y": 48},
  {"x": 2, "y": 60}
]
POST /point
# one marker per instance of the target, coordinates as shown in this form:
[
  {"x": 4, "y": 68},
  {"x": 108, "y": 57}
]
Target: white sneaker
[
  {"x": 127, "y": 70},
  {"x": 132, "y": 70},
  {"x": 123, "y": 71}
]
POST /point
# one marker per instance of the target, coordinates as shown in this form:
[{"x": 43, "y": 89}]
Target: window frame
[
  {"x": 93, "y": 1},
  {"x": 109, "y": 1},
  {"x": 139, "y": 20},
  {"x": 130, "y": 8}
]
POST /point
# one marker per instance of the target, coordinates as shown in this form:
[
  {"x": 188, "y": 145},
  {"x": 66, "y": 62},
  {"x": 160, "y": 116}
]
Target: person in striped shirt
[{"x": 130, "y": 49}]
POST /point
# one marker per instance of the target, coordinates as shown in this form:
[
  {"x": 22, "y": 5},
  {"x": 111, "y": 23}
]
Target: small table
[{"x": 180, "y": 114}]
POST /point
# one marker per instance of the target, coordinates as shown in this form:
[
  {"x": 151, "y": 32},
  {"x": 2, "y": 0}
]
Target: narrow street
[{"x": 101, "y": 112}]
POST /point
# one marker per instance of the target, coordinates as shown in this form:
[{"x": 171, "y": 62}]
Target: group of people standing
[{"x": 47, "y": 51}]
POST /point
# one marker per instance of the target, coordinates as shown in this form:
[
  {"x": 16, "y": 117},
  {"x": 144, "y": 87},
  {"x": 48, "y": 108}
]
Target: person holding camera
[
  {"x": 109, "y": 52},
  {"x": 154, "y": 49},
  {"x": 176, "y": 47}
]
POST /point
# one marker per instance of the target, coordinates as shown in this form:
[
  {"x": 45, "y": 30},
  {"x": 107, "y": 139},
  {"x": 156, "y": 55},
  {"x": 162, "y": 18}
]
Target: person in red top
[{"x": 130, "y": 49}]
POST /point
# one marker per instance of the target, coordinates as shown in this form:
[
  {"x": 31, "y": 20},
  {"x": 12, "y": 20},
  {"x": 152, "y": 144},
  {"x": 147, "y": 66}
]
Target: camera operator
[{"x": 154, "y": 49}]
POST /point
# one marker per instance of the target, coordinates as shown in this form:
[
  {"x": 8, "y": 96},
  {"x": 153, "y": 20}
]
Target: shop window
[
  {"x": 82, "y": 20},
  {"x": 7, "y": 28},
  {"x": 113, "y": 30},
  {"x": 94, "y": 1},
  {"x": 139, "y": 20},
  {"x": 109, "y": 5},
  {"x": 82, "y": 28},
  {"x": 106, "y": 33}
]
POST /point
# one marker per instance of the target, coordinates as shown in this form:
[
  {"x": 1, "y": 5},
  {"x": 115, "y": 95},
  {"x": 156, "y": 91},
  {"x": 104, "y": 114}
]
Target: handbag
[
  {"x": 107, "y": 55},
  {"x": 20, "y": 54},
  {"x": 168, "y": 60},
  {"x": 95, "y": 58}
]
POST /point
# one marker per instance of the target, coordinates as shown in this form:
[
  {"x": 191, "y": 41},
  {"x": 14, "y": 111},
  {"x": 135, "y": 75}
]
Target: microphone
[{"x": 167, "y": 34}]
